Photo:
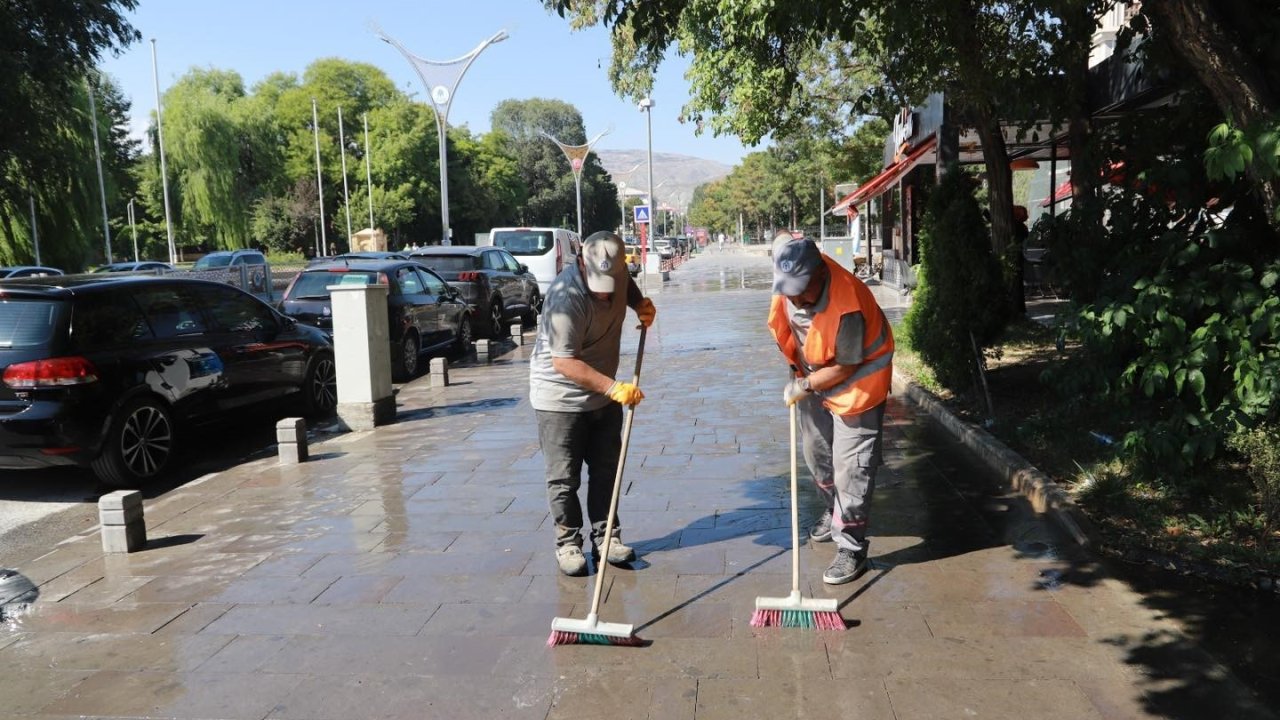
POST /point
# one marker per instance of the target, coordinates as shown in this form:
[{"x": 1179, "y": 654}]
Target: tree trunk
[
  {"x": 1000, "y": 206},
  {"x": 1197, "y": 31}
]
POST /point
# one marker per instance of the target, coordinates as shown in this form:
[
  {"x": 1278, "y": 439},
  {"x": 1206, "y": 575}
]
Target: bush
[
  {"x": 960, "y": 297},
  {"x": 1260, "y": 448}
]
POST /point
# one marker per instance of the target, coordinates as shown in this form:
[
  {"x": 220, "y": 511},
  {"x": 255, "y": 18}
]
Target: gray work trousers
[
  {"x": 843, "y": 453},
  {"x": 568, "y": 440}
]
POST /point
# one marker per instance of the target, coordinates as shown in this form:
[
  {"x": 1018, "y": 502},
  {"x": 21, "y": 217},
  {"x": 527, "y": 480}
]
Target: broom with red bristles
[
  {"x": 568, "y": 631},
  {"x": 794, "y": 610}
]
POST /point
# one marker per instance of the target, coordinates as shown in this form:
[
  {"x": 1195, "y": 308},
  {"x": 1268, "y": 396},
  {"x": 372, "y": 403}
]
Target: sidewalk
[{"x": 408, "y": 572}]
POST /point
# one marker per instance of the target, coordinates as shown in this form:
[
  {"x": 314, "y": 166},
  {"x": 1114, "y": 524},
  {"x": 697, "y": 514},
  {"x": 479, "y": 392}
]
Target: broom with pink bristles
[
  {"x": 568, "y": 631},
  {"x": 794, "y": 610}
]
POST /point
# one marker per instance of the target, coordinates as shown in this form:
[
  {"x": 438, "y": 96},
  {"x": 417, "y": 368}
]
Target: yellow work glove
[
  {"x": 625, "y": 393},
  {"x": 796, "y": 389},
  {"x": 646, "y": 312}
]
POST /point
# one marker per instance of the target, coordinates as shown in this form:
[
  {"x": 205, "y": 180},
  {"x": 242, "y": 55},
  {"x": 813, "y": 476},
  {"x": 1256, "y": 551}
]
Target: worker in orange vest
[{"x": 833, "y": 333}]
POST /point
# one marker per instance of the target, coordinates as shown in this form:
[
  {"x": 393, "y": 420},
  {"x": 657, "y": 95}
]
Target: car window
[
  {"x": 409, "y": 281},
  {"x": 26, "y": 323},
  {"x": 210, "y": 262},
  {"x": 106, "y": 320},
  {"x": 512, "y": 264},
  {"x": 493, "y": 261},
  {"x": 448, "y": 263},
  {"x": 433, "y": 284},
  {"x": 171, "y": 311},
  {"x": 233, "y": 311},
  {"x": 524, "y": 242}
]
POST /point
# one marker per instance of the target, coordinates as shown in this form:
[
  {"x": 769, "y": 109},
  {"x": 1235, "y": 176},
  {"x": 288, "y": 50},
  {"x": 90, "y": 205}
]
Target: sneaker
[
  {"x": 821, "y": 530},
  {"x": 571, "y": 560},
  {"x": 846, "y": 566},
  {"x": 619, "y": 554}
]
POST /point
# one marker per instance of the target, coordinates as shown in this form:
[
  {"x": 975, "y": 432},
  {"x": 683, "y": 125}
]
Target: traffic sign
[{"x": 642, "y": 213}]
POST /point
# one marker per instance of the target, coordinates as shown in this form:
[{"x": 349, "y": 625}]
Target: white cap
[{"x": 604, "y": 257}]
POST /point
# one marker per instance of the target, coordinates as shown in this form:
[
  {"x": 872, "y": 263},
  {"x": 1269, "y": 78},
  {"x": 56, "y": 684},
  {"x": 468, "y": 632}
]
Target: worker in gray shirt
[{"x": 575, "y": 397}]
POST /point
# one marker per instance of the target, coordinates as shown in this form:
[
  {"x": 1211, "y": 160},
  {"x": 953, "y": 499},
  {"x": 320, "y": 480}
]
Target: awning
[{"x": 885, "y": 179}]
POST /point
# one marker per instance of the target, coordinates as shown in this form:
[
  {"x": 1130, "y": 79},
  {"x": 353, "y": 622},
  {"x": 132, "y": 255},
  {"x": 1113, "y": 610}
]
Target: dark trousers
[{"x": 568, "y": 440}]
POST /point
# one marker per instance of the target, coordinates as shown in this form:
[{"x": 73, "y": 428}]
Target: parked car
[
  {"x": 633, "y": 260},
  {"x": 665, "y": 249},
  {"x": 19, "y": 271},
  {"x": 106, "y": 371},
  {"x": 424, "y": 314},
  {"x": 153, "y": 267},
  {"x": 246, "y": 269},
  {"x": 498, "y": 287},
  {"x": 359, "y": 255},
  {"x": 545, "y": 250}
]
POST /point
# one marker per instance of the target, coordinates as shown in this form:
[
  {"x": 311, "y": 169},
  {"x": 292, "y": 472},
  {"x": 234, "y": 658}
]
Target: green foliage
[
  {"x": 1260, "y": 448},
  {"x": 958, "y": 300}
]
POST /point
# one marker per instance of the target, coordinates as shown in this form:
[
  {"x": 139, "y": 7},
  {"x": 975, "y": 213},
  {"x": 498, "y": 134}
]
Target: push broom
[
  {"x": 568, "y": 631},
  {"x": 794, "y": 610}
]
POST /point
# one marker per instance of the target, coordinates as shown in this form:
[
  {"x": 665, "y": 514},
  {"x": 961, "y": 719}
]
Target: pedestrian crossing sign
[{"x": 642, "y": 213}]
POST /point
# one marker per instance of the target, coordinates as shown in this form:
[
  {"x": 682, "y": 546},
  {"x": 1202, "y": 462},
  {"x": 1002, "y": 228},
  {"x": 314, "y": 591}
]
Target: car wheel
[
  {"x": 530, "y": 316},
  {"x": 462, "y": 342},
  {"x": 496, "y": 317},
  {"x": 320, "y": 388},
  {"x": 406, "y": 361},
  {"x": 139, "y": 444}
]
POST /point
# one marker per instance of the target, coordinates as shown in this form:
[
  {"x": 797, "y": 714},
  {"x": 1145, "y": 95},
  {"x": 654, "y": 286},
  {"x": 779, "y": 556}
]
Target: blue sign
[{"x": 642, "y": 213}]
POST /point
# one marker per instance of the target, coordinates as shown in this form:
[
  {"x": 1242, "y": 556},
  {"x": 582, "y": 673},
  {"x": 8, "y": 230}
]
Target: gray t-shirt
[
  {"x": 848, "y": 337},
  {"x": 575, "y": 325}
]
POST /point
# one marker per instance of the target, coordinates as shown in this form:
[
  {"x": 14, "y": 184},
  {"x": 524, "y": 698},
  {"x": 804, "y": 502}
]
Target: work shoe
[
  {"x": 571, "y": 560},
  {"x": 821, "y": 530},
  {"x": 846, "y": 566},
  {"x": 619, "y": 554}
]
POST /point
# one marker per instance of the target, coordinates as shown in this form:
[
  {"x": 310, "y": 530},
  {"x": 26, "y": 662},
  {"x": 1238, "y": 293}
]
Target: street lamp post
[
  {"x": 577, "y": 157},
  {"x": 164, "y": 173},
  {"x": 441, "y": 78},
  {"x": 346, "y": 196},
  {"x": 315, "y": 126},
  {"x": 646, "y": 107},
  {"x": 622, "y": 195},
  {"x": 97, "y": 158}
]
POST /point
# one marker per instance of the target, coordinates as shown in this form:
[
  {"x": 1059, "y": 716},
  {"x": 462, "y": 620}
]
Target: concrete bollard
[
  {"x": 439, "y": 372},
  {"x": 482, "y": 350},
  {"x": 291, "y": 437},
  {"x": 517, "y": 334},
  {"x": 123, "y": 528}
]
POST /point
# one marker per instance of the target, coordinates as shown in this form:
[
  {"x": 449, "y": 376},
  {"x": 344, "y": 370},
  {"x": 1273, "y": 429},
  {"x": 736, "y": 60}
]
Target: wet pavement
[{"x": 408, "y": 572}]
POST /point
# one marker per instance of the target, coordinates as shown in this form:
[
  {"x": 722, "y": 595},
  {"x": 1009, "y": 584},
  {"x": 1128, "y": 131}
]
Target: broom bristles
[
  {"x": 807, "y": 619},
  {"x": 572, "y": 638}
]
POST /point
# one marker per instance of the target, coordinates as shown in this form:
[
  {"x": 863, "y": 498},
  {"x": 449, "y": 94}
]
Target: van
[{"x": 546, "y": 251}]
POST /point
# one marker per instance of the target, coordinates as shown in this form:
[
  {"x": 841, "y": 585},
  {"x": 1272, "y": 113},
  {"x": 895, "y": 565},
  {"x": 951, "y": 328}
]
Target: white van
[{"x": 545, "y": 250}]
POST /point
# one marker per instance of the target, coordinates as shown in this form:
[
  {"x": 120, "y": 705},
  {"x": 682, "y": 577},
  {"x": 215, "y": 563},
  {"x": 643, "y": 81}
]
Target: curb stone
[{"x": 1045, "y": 495}]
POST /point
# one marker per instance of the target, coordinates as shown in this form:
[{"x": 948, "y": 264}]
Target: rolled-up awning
[{"x": 887, "y": 177}]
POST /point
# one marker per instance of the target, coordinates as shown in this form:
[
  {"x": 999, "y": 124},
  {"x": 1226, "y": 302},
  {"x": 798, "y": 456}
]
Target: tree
[
  {"x": 544, "y": 170},
  {"x": 49, "y": 48}
]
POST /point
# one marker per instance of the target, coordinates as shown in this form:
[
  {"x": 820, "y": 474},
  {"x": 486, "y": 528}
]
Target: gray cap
[
  {"x": 605, "y": 260},
  {"x": 794, "y": 262}
]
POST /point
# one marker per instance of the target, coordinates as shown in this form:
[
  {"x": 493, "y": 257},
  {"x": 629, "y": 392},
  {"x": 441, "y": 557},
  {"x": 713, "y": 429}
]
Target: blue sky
[{"x": 541, "y": 58}]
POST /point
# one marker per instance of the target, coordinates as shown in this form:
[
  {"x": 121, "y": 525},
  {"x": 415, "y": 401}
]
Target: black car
[
  {"x": 497, "y": 285},
  {"x": 424, "y": 314},
  {"x": 153, "y": 267},
  {"x": 105, "y": 370}
]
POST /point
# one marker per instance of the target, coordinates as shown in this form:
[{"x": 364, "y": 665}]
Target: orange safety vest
[{"x": 869, "y": 384}]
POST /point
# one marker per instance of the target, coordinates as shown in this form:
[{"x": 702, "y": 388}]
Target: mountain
[{"x": 675, "y": 175}]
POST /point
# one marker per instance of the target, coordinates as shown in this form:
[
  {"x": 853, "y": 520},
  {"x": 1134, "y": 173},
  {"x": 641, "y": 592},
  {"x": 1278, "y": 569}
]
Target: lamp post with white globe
[{"x": 441, "y": 77}]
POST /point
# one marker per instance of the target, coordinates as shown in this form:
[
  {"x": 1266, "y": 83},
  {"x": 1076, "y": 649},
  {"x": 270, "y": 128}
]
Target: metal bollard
[
  {"x": 291, "y": 437},
  {"x": 517, "y": 334},
  {"x": 482, "y": 350},
  {"x": 439, "y": 372},
  {"x": 123, "y": 528}
]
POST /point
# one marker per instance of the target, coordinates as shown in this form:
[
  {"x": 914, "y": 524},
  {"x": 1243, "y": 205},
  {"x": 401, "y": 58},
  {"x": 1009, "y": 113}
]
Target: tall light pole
[
  {"x": 622, "y": 195},
  {"x": 368, "y": 173},
  {"x": 346, "y": 198},
  {"x": 134, "y": 228},
  {"x": 577, "y": 157},
  {"x": 441, "y": 78},
  {"x": 164, "y": 173},
  {"x": 97, "y": 158},
  {"x": 646, "y": 107},
  {"x": 35, "y": 231},
  {"x": 315, "y": 127}
]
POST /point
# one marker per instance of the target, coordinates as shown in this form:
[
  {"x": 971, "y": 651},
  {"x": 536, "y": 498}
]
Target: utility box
[{"x": 362, "y": 354}]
